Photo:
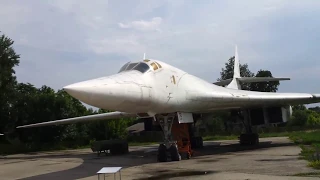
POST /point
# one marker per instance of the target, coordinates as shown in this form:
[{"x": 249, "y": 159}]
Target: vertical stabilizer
[
  {"x": 236, "y": 69},
  {"x": 235, "y": 84}
]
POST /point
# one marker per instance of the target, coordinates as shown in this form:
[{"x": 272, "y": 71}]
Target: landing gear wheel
[
  {"x": 249, "y": 139},
  {"x": 188, "y": 156},
  {"x": 200, "y": 142},
  {"x": 196, "y": 142},
  {"x": 162, "y": 153},
  {"x": 175, "y": 156}
]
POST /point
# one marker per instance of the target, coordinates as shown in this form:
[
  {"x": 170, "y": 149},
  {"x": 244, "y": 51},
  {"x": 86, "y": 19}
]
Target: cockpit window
[
  {"x": 142, "y": 67},
  {"x": 154, "y": 65},
  {"x": 158, "y": 65},
  {"x": 124, "y": 67},
  {"x": 131, "y": 66}
]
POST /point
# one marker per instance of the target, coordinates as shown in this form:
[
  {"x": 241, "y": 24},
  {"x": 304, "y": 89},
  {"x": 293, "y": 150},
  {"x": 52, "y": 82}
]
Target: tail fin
[
  {"x": 236, "y": 68},
  {"x": 234, "y": 84}
]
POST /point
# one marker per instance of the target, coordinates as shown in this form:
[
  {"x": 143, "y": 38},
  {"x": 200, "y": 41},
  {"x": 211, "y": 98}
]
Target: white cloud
[
  {"x": 127, "y": 45},
  {"x": 142, "y": 25}
]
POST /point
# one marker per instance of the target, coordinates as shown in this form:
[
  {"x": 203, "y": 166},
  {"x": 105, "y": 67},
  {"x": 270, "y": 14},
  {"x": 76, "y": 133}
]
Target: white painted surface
[
  {"x": 185, "y": 117},
  {"x": 109, "y": 170}
]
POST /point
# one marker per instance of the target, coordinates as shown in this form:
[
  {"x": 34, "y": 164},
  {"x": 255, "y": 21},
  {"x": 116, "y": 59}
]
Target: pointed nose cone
[
  {"x": 93, "y": 92},
  {"x": 107, "y": 93},
  {"x": 78, "y": 91}
]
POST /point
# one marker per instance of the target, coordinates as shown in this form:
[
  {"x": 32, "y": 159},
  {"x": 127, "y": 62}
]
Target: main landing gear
[
  {"x": 249, "y": 137},
  {"x": 169, "y": 148}
]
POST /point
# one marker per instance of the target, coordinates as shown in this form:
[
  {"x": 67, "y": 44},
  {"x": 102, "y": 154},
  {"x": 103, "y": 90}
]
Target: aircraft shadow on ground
[
  {"x": 92, "y": 163},
  {"x": 212, "y": 149}
]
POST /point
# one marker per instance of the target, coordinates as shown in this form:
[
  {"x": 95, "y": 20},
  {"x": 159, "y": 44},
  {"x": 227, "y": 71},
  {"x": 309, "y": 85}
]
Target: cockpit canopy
[{"x": 139, "y": 66}]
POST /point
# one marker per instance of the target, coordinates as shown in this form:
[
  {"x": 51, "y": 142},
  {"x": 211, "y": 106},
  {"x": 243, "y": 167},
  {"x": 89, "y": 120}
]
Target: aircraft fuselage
[{"x": 154, "y": 87}]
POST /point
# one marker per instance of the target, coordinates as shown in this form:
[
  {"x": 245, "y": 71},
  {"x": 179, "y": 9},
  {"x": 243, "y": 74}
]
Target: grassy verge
[{"x": 310, "y": 145}]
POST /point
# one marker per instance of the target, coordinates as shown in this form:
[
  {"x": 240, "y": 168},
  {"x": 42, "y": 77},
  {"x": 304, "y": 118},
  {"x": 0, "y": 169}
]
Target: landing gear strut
[
  {"x": 248, "y": 138},
  {"x": 169, "y": 147}
]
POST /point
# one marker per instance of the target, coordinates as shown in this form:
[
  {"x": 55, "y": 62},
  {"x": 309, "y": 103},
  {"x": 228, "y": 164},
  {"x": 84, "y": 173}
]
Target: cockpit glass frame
[
  {"x": 124, "y": 67},
  {"x": 139, "y": 66},
  {"x": 154, "y": 66},
  {"x": 131, "y": 65},
  {"x": 142, "y": 67}
]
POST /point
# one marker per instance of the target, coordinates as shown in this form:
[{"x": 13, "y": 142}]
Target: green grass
[
  {"x": 275, "y": 134},
  {"x": 310, "y": 145},
  {"x": 315, "y": 164},
  {"x": 219, "y": 137}
]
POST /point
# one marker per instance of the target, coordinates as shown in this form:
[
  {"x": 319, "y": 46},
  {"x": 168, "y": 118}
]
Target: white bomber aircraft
[{"x": 152, "y": 88}]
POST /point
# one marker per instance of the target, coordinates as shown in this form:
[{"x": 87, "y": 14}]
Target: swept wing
[
  {"x": 232, "y": 98},
  {"x": 103, "y": 116}
]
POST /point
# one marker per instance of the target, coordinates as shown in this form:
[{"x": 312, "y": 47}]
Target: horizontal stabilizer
[
  {"x": 250, "y": 80},
  {"x": 103, "y": 116},
  {"x": 260, "y": 79}
]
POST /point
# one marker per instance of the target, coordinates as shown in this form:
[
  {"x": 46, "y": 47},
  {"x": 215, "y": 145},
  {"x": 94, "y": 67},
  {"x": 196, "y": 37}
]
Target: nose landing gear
[{"x": 176, "y": 139}]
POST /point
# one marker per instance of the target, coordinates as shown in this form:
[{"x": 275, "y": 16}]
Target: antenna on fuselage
[{"x": 144, "y": 55}]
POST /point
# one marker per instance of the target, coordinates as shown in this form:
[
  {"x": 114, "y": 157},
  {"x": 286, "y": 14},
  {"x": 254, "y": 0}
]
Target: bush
[{"x": 299, "y": 118}]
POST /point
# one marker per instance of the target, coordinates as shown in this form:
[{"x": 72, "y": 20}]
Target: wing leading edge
[
  {"x": 242, "y": 98},
  {"x": 103, "y": 116}
]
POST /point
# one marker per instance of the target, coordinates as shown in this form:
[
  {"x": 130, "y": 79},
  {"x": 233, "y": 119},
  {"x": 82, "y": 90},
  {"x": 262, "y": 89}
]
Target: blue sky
[{"x": 65, "y": 41}]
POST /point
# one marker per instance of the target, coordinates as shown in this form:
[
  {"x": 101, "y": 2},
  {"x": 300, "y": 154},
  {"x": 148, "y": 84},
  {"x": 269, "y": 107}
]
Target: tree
[
  {"x": 110, "y": 129},
  {"x": 299, "y": 118},
  {"x": 316, "y": 109},
  {"x": 227, "y": 72},
  {"x": 265, "y": 86},
  {"x": 299, "y": 107},
  {"x": 8, "y": 60}
]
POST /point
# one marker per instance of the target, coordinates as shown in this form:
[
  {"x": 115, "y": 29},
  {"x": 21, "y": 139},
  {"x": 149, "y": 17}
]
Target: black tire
[
  {"x": 188, "y": 156},
  {"x": 200, "y": 142},
  {"x": 194, "y": 142},
  {"x": 162, "y": 153},
  {"x": 244, "y": 139},
  {"x": 175, "y": 156},
  {"x": 256, "y": 139},
  {"x": 249, "y": 139},
  {"x": 119, "y": 148}
]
